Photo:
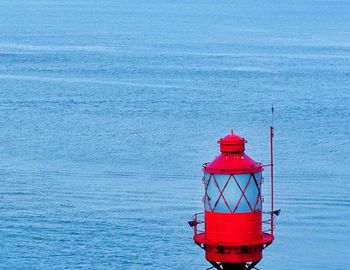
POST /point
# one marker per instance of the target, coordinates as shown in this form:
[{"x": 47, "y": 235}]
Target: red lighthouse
[{"x": 232, "y": 232}]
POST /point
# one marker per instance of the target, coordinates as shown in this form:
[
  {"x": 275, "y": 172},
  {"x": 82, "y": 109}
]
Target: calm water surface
[{"x": 109, "y": 108}]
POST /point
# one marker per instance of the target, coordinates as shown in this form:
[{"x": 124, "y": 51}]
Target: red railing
[
  {"x": 198, "y": 223},
  {"x": 268, "y": 224}
]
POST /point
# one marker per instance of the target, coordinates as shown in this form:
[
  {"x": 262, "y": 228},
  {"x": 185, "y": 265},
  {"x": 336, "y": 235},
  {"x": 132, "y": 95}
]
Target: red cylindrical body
[{"x": 233, "y": 206}]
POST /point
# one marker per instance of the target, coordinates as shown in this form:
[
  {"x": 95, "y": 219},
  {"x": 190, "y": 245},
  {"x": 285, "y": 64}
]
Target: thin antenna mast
[
  {"x": 272, "y": 114},
  {"x": 271, "y": 167}
]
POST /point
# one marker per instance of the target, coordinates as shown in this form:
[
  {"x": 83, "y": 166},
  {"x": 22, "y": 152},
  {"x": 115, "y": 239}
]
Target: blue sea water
[{"x": 109, "y": 108}]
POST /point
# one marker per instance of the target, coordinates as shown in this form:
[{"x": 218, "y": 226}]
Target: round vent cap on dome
[{"x": 232, "y": 143}]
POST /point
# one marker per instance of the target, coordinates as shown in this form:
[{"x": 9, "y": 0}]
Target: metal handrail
[
  {"x": 197, "y": 221},
  {"x": 198, "y": 218},
  {"x": 270, "y": 223}
]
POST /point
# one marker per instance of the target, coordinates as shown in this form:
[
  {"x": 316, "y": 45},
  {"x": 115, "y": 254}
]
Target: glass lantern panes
[{"x": 239, "y": 193}]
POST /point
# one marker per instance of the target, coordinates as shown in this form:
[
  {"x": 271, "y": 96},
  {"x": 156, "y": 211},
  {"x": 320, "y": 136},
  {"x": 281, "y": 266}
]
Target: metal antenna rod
[
  {"x": 271, "y": 167},
  {"x": 272, "y": 114}
]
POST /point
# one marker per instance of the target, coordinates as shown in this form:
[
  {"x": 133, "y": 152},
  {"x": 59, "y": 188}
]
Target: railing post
[{"x": 195, "y": 224}]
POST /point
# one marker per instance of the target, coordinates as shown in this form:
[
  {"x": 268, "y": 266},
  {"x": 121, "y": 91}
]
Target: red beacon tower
[{"x": 232, "y": 232}]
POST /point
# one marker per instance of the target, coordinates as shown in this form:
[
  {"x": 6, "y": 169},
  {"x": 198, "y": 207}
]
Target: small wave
[
  {"x": 56, "y": 48},
  {"x": 89, "y": 80}
]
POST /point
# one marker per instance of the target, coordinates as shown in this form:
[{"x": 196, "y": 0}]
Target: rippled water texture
[{"x": 109, "y": 108}]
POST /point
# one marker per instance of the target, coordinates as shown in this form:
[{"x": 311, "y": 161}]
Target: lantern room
[{"x": 230, "y": 229}]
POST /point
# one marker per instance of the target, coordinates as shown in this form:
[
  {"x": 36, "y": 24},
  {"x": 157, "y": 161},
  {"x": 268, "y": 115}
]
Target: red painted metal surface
[
  {"x": 232, "y": 159},
  {"x": 232, "y": 143},
  {"x": 226, "y": 234},
  {"x": 240, "y": 254},
  {"x": 240, "y": 228},
  {"x": 233, "y": 163}
]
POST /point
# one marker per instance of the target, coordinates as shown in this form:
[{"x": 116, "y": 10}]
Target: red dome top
[
  {"x": 232, "y": 143},
  {"x": 232, "y": 159}
]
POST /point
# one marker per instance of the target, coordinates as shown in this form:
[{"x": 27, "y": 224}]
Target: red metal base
[{"x": 233, "y": 253}]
